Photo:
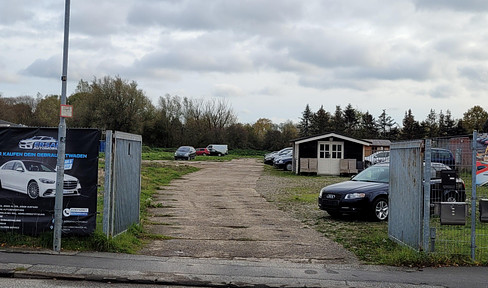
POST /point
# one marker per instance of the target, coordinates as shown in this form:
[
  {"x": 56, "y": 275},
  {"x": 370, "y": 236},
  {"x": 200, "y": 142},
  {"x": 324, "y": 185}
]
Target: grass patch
[
  {"x": 154, "y": 176},
  {"x": 369, "y": 241}
]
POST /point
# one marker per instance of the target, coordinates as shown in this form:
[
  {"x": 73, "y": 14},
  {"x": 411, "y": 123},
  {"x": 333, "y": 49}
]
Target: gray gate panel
[
  {"x": 405, "y": 194},
  {"x": 123, "y": 182}
]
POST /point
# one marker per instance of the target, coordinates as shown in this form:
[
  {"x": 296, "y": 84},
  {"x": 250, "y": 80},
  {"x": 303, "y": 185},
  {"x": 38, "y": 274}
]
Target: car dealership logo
[{"x": 39, "y": 143}]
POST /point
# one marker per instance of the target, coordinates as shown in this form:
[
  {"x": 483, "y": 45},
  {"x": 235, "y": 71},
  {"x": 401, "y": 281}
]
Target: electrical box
[
  {"x": 483, "y": 207},
  {"x": 453, "y": 213}
]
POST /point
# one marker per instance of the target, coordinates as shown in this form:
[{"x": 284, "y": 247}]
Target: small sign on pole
[{"x": 66, "y": 111}]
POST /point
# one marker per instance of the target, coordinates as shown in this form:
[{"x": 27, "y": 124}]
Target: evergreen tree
[
  {"x": 351, "y": 121},
  {"x": 411, "y": 127},
  {"x": 430, "y": 125},
  {"x": 368, "y": 128},
  {"x": 449, "y": 124},
  {"x": 305, "y": 122},
  {"x": 385, "y": 124},
  {"x": 320, "y": 122},
  {"x": 338, "y": 125}
]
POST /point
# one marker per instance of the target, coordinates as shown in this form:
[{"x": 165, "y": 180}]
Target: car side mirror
[{"x": 19, "y": 169}]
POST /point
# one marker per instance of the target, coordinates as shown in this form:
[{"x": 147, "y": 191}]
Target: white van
[{"x": 218, "y": 149}]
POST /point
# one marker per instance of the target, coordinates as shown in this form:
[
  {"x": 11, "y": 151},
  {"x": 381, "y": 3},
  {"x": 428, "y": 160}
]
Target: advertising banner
[
  {"x": 482, "y": 159},
  {"x": 28, "y": 158}
]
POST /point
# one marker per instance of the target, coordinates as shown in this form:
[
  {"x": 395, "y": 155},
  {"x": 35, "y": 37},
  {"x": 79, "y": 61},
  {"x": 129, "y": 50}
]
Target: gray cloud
[
  {"x": 11, "y": 12},
  {"x": 465, "y": 5},
  {"x": 45, "y": 68}
]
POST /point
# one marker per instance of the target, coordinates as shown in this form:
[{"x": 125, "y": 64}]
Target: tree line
[
  {"x": 354, "y": 123},
  {"x": 112, "y": 103}
]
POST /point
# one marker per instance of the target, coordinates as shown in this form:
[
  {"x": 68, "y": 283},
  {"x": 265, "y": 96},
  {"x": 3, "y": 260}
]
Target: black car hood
[{"x": 356, "y": 186}]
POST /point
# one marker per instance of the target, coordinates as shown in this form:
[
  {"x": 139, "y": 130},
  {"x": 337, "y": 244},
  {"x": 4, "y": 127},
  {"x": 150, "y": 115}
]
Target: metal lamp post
[{"x": 58, "y": 205}]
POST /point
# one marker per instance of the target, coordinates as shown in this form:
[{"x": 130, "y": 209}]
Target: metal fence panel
[
  {"x": 122, "y": 182},
  {"x": 405, "y": 194},
  {"x": 468, "y": 235}
]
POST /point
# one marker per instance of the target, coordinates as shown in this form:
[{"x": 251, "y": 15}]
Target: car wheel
[
  {"x": 288, "y": 167},
  {"x": 33, "y": 190},
  {"x": 380, "y": 209},
  {"x": 220, "y": 154}
]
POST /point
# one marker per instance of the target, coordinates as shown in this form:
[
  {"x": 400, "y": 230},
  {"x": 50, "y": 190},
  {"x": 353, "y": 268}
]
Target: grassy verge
[
  {"x": 154, "y": 176},
  {"x": 367, "y": 240}
]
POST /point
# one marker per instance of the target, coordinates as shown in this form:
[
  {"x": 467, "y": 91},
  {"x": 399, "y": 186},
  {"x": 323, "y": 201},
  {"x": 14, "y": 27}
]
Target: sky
[{"x": 265, "y": 58}]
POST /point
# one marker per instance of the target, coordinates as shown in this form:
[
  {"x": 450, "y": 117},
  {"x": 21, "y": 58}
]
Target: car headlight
[
  {"x": 321, "y": 192},
  {"x": 47, "y": 181},
  {"x": 355, "y": 196}
]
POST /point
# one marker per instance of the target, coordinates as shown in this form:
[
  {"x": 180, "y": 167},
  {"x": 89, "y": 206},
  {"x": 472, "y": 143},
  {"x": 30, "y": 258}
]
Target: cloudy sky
[{"x": 267, "y": 58}]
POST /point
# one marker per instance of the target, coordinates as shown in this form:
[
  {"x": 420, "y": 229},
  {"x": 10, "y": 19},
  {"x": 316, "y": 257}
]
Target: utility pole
[{"x": 58, "y": 205}]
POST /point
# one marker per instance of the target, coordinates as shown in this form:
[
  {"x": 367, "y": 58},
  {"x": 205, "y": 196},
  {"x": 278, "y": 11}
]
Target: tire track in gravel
[{"x": 216, "y": 212}]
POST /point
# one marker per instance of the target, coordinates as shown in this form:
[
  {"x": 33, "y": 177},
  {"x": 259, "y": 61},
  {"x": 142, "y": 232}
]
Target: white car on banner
[
  {"x": 39, "y": 143},
  {"x": 35, "y": 179}
]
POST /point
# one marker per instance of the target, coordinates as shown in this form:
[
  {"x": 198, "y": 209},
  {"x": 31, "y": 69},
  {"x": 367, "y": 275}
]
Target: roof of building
[
  {"x": 335, "y": 135},
  {"x": 379, "y": 142}
]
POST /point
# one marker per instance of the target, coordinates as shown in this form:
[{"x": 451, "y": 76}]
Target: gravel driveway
[{"x": 217, "y": 213}]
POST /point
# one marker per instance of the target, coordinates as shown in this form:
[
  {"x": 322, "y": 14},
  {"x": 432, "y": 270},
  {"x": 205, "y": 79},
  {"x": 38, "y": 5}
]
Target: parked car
[
  {"x": 481, "y": 173},
  {"x": 218, "y": 149},
  {"x": 202, "y": 152},
  {"x": 185, "y": 153},
  {"x": 284, "y": 161},
  {"x": 367, "y": 192},
  {"x": 35, "y": 179},
  {"x": 438, "y": 155},
  {"x": 443, "y": 156},
  {"x": 377, "y": 157},
  {"x": 269, "y": 158}
]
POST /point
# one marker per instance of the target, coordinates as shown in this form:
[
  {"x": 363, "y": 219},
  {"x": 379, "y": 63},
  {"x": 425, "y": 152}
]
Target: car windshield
[
  {"x": 37, "y": 167},
  {"x": 183, "y": 149},
  {"x": 380, "y": 173}
]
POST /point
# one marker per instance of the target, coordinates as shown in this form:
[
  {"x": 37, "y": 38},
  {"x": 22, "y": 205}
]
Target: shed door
[{"x": 329, "y": 156}]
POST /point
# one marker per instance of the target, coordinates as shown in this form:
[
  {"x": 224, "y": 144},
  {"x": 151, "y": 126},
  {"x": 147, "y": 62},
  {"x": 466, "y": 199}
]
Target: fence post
[
  {"x": 426, "y": 211},
  {"x": 473, "y": 196},
  {"x": 107, "y": 214}
]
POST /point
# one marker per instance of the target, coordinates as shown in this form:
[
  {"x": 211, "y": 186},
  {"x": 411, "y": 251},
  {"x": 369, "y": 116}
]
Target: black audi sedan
[{"x": 367, "y": 192}]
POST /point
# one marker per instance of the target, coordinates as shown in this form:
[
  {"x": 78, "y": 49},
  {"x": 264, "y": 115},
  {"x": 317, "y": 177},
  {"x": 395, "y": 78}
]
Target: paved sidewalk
[{"x": 110, "y": 267}]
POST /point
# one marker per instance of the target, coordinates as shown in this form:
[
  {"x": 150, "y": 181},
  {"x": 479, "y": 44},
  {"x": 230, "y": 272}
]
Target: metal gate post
[
  {"x": 426, "y": 219},
  {"x": 473, "y": 196},
  {"x": 107, "y": 199}
]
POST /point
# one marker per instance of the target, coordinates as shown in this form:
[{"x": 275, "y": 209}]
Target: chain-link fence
[{"x": 455, "y": 208}]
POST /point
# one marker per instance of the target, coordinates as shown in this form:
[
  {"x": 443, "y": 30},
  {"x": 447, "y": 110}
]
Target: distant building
[
  {"x": 328, "y": 154},
  {"x": 376, "y": 145}
]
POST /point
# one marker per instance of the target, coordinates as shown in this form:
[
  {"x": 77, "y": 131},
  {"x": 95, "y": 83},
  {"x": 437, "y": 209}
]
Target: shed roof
[
  {"x": 335, "y": 135},
  {"x": 379, "y": 142}
]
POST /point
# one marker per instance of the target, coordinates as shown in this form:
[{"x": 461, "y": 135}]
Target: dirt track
[{"x": 217, "y": 213}]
